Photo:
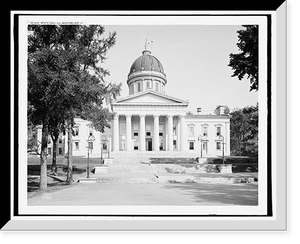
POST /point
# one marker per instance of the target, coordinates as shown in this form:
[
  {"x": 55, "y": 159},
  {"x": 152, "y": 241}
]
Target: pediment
[{"x": 149, "y": 97}]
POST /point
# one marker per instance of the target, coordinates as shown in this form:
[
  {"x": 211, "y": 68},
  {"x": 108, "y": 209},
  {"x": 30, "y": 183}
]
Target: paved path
[{"x": 183, "y": 194}]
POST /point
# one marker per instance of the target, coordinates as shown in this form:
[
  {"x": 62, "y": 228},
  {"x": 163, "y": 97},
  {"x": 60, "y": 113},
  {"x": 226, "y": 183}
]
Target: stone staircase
[
  {"x": 136, "y": 157},
  {"x": 156, "y": 162}
]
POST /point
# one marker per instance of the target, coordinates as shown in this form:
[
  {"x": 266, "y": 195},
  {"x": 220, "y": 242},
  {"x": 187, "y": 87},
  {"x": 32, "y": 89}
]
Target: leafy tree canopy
[
  {"x": 246, "y": 61},
  {"x": 64, "y": 76}
]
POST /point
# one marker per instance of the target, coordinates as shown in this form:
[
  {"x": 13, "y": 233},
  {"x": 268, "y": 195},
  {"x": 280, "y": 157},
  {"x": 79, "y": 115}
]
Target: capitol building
[{"x": 148, "y": 119}]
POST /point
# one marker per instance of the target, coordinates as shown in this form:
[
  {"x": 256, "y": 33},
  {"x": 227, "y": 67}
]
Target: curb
[{"x": 171, "y": 179}]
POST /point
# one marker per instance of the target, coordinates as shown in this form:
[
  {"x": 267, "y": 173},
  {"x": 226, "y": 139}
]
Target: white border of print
[
  {"x": 257, "y": 223},
  {"x": 195, "y": 20}
]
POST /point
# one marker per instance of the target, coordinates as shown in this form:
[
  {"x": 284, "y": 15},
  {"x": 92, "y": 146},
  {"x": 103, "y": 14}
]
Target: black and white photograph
[{"x": 149, "y": 115}]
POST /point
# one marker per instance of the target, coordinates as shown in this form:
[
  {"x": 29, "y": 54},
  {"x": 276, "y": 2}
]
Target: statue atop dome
[{"x": 147, "y": 44}]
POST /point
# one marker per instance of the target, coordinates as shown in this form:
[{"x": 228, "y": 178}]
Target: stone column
[
  {"x": 156, "y": 133},
  {"x": 183, "y": 141},
  {"x": 128, "y": 132},
  {"x": 142, "y": 135},
  {"x": 178, "y": 134},
  {"x": 116, "y": 133},
  {"x": 170, "y": 132}
]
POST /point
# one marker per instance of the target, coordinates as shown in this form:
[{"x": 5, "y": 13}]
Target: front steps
[
  {"x": 125, "y": 157},
  {"x": 156, "y": 168}
]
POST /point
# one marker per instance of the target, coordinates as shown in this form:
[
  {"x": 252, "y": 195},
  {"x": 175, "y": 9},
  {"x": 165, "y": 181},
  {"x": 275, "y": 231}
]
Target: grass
[
  {"x": 239, "y": 163},
  {"x": 234, "y": 160}
]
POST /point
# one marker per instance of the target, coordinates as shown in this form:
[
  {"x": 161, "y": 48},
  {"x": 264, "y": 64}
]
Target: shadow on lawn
[{"x": 61, "y": 169}]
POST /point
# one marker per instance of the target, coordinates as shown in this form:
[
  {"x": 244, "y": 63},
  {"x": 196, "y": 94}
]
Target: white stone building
[{"x": 150, "y": 120}]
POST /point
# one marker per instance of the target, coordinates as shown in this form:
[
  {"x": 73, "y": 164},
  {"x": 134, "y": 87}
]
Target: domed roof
[{"x": 147, "y": 62}]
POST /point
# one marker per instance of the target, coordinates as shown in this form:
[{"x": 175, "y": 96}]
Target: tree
[
  {"x": 244, "y": 130},
  {"x": 65, "y": 81},
  {"x": 246, "y": 61}
]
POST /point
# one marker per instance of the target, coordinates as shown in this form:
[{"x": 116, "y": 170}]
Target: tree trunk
[
  {"x": 69, "y": 155},
  {"x": 43, "y": 159},
  {"x": 53, "y": 167}
]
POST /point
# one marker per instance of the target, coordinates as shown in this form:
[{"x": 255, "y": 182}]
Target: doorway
[{"x": 148, "y": 144}]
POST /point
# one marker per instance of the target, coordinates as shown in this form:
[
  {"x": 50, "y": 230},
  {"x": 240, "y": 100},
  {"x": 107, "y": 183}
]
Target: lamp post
[
  {"x": 222, "y": 148},
  {"x": 200, "y": 139},
  {"x": 91, "y": 138}
]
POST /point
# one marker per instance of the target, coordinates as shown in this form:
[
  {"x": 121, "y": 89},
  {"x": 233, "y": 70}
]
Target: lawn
[
  {"x": 56, "y": 181},
  {"x": 239, "y": 163}
]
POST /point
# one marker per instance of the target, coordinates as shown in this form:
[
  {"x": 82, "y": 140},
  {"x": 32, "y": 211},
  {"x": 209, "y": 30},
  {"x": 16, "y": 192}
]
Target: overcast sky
[{"x": 195, "y": 59}]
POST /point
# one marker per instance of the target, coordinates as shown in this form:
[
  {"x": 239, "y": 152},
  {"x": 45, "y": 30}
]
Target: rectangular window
[
  {"x": 148, "y": 127},
  {"x": 148, "y": 133},
  {"x": 139, "y": 86},
  {"x": 218, "y": 131},
  {"x": 161, "y": 145},
  {"x": 49, "y": 150},
  {"x": 136, "y": 145},
  {"x": 131, "y": 90},
  {"x": 191, "y": 131},
  {"x": 60, "y": 151},
  {"x": 122, "y": 145},
  {"x": 135, "y": 130},
  {"x": 205, "y": 131},
  {"x": 191, "y": 145},
  {"x": 148, "y": 84},
  {"x": 156, "y": 87},
  {"x": 104, "y": 146},
  {"x": 60, "y": 140},
  {"x": 174, "y": 130},
  {"x": 76, "y": 131},
  {"x": 161, "y": 130},
  {"x": 218, "y": 145},
  {"x": 76, "y": 145}
]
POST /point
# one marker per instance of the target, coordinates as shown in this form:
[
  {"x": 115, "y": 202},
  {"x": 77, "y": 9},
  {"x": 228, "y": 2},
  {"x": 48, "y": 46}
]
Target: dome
[
  {"x": 146, "y": 73},
  {"x": 146, "y": 62}
]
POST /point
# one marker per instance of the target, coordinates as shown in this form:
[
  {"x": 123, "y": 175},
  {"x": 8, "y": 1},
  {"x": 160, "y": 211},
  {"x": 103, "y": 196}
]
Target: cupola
[{"x": 146, "y": 73}]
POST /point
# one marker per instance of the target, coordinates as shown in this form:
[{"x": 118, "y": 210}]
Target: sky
[{"x": 195, "y": 59}]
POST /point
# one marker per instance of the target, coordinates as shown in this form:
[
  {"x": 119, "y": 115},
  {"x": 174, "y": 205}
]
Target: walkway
[{"x": 184, "y": 194}]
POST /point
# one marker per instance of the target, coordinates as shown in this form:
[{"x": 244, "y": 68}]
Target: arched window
[{"x": 156, "y": 87}]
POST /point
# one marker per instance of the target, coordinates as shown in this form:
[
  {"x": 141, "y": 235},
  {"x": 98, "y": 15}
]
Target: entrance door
[{"x": 149, "y": 144}]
